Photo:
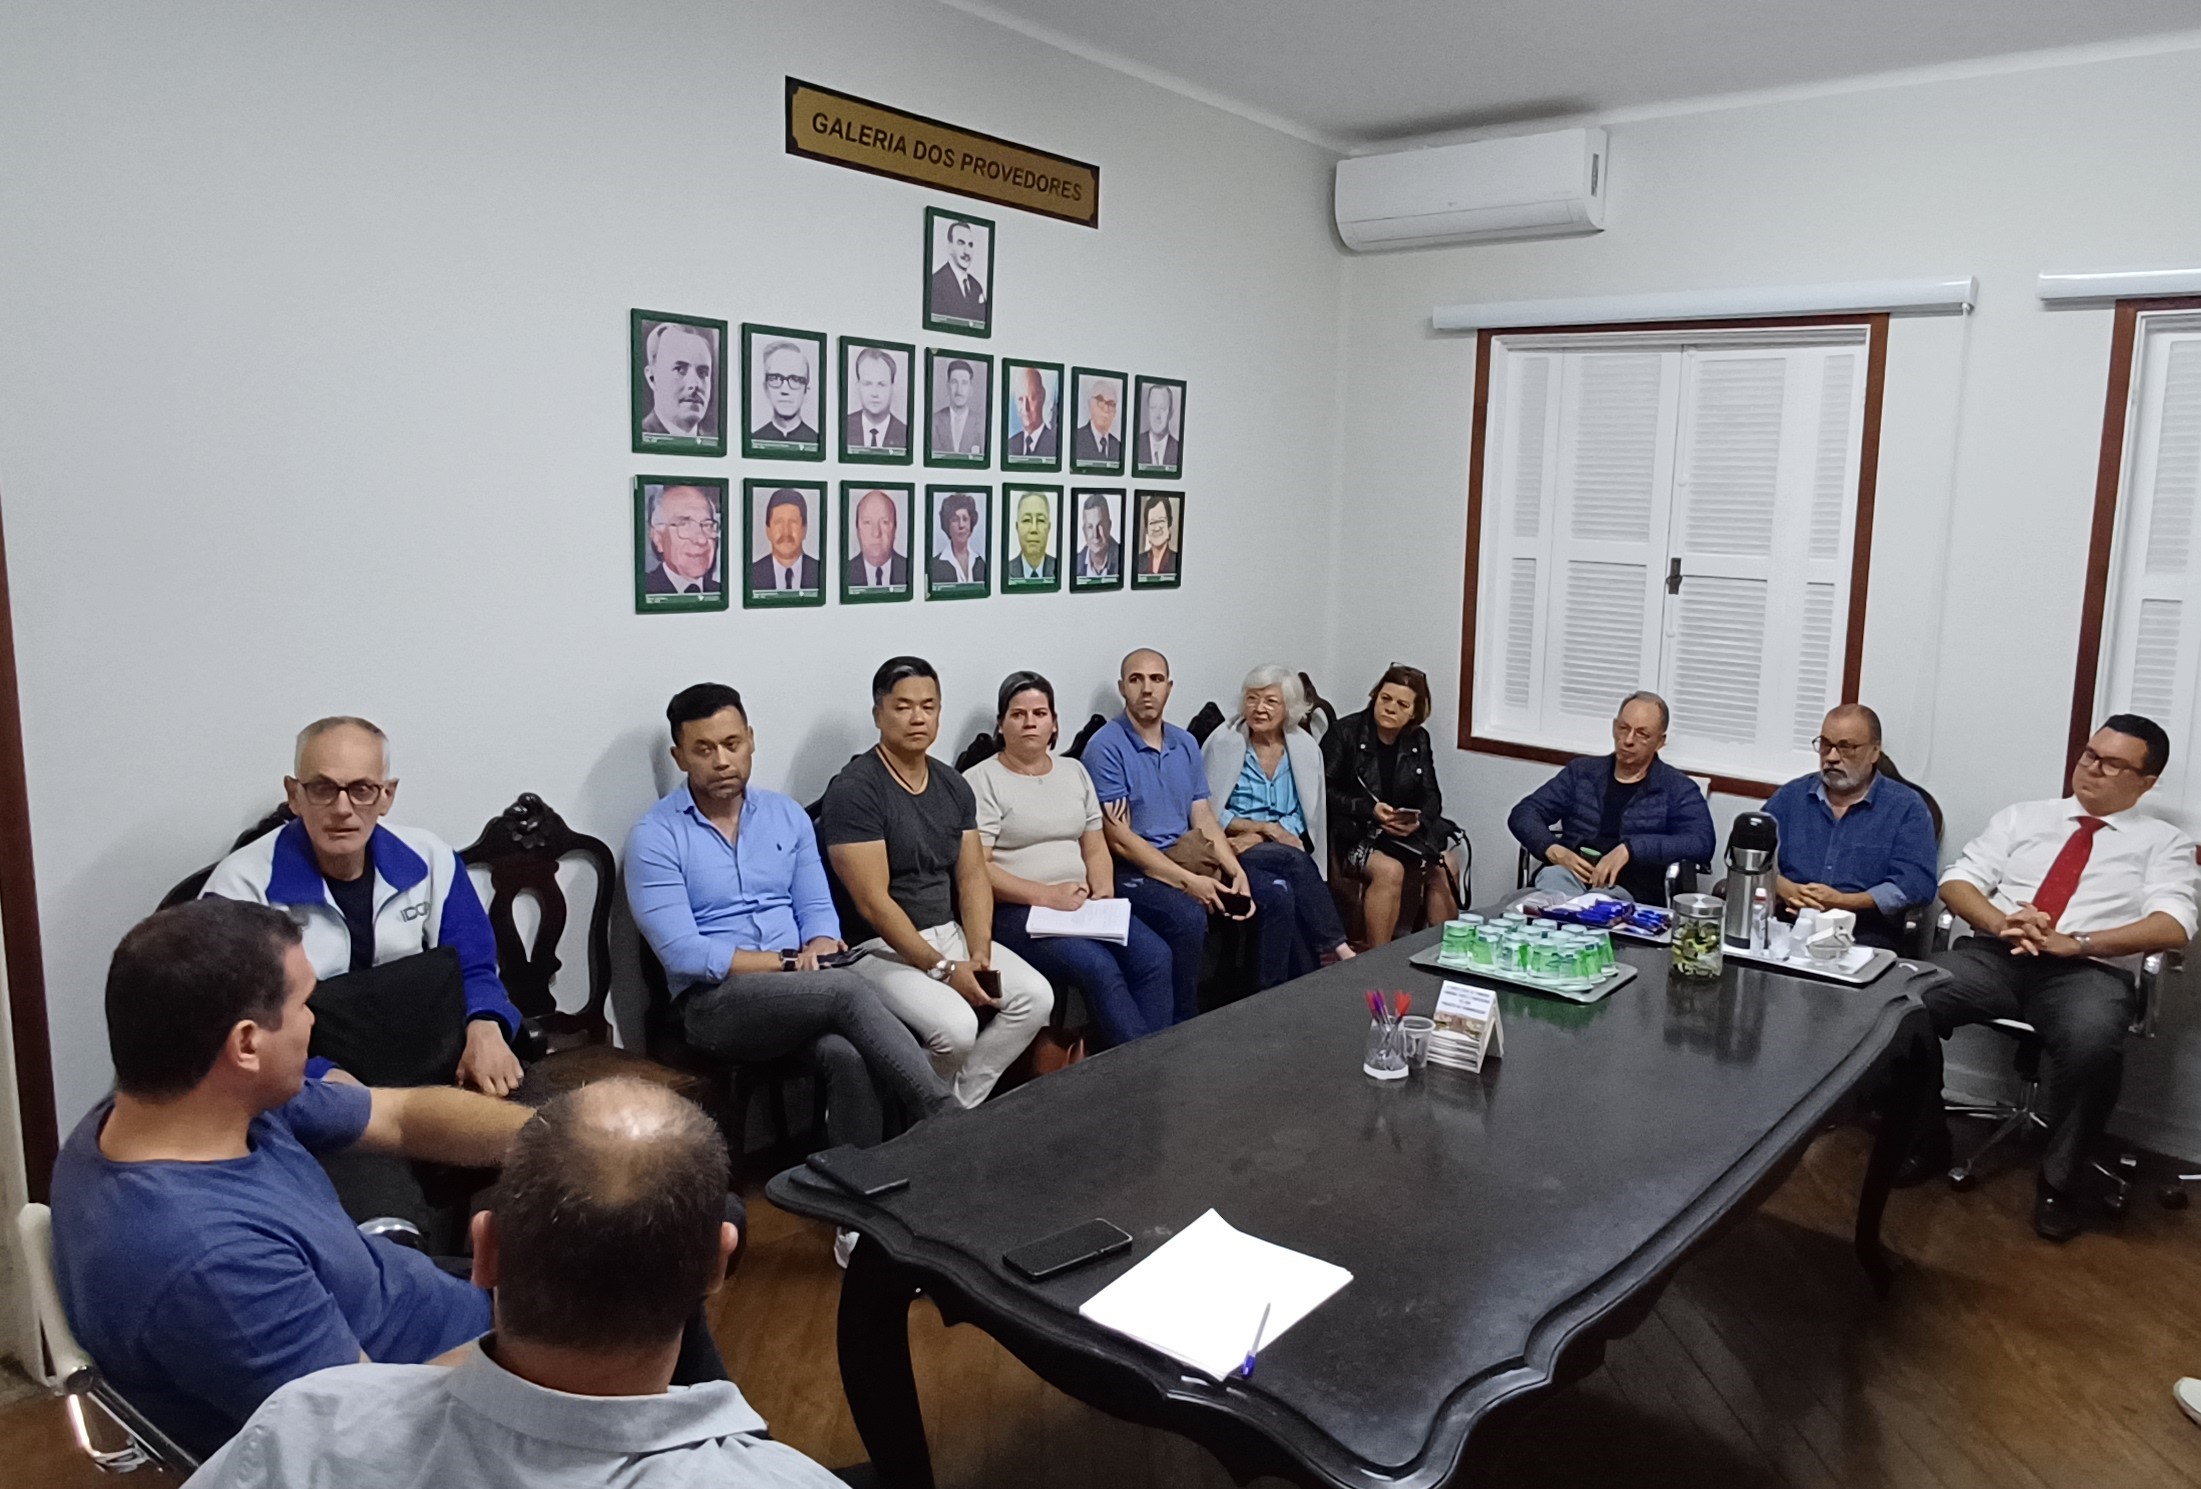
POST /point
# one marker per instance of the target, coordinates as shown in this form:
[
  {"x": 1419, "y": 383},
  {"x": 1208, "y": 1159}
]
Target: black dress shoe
[
  {"x": 2055, "y": 1215},
  {"x": 1929, "y": 1159}
]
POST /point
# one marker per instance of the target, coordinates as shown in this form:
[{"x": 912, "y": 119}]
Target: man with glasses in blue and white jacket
[{"x": 366, "y": 895}]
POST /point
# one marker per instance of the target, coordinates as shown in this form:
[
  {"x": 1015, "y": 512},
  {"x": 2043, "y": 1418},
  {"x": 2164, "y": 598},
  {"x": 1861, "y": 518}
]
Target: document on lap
[
  {"x": 1095, "y": 920},
  {"x": 1201, "y": 1297}
]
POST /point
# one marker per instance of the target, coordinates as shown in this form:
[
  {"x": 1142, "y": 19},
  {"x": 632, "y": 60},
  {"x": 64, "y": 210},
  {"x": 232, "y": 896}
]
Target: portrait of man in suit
[
  {"x": 958, "y": 543},
  {"x": 1100, "y": 556},
  {"x": 1030, "y": 541},
  {"x": 788, "y": 569},
  {"x": 879, "y": 562},
  {"x": 958, "y": 396},
  {"x": 1158, "y": 540},
  {"x": 680, "y": 525},
  {"x": 875, "y": 393},
  {"x": 1158, "y": 445},
  {"x": 961, "y": 253},
  {"x": 1033, "y": 440},
  {"x": 677, "y": 385},
  {"x": 784, "y": 396},
  {"x": 1097, "y": 446}
]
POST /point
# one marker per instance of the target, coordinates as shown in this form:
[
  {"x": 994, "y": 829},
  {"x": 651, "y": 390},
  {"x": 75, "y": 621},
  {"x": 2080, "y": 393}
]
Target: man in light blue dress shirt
[{"x": 727, "y": 887}]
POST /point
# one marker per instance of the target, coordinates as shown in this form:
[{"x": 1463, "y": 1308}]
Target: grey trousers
[
  {"x": 862, "y": 1049},
  {"x": 2080, "y": 1008}
]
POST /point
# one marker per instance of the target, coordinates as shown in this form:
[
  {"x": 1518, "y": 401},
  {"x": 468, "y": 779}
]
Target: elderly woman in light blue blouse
[{"x": 1265, "y": 776}]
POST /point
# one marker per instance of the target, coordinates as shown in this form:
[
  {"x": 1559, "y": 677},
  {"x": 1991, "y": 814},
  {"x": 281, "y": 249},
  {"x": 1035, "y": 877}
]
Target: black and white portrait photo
[
  {"x": 1031, "y": 529},
  {"x": 1031, "y": 415},
  {"x": 1098, "y": 513},
  {"x": 875, "y": 399},
  {"x": 1158, "y": 537},
  {"x": 1096, "y": 407},
  {"x": 678, "y": 393},
  {"x": 1158, "y": 435},
  {"x": 958, "y": 386},
  {"x": 955, "y": 541},
  {"x": 679, "y": 547},
  {"x": 786, "y": 543},
  {"x": 782, "y": 394},
  {"x": 875, "y": 534},
  {"x": 959, "y": 273}
]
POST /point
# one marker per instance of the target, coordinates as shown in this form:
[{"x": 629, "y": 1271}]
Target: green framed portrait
[
  {"x": 958, "y": 522},
  {"x": 877, "y": 382},
  {"x": 784, "y": 556},
  {"x": 959, "y": 273},
  {"x": 783, "y": 409},
  {"x": 1158, "y": 429},
  {"x": 958, "y": 407},
  {"x": 676, "y": 375},
  {"x": 679, "y": 544},
  {"x": 1031, "y": 415},
  {"x": 877, "y": 528},
  {"x": 1031, "y": 539},
  {"x": 1094, "y": 547},
  {"x": 1095, "y": 417},
  {"x": 1157, "y": 539}
]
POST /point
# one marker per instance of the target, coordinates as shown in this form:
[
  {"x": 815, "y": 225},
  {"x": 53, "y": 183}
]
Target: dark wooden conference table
[{"x": 1500, "y": 1227}]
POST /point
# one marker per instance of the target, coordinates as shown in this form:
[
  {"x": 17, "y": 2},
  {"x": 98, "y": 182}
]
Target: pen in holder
[{"x": 1386, "y": 1057}]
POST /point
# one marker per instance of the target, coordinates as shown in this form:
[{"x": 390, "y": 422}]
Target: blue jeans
[
  {"x": 1181, "y": 922},
  {"x": 1298, "y": 919},
  {"x": 1128, "y": 987}
]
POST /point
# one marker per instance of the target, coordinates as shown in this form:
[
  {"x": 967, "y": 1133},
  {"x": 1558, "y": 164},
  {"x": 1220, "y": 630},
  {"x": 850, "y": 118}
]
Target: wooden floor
[{"x": 2001, "y": 1362}]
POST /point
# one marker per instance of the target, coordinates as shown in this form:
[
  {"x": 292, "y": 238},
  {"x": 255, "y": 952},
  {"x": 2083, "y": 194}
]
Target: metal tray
[
  {"x": 1875, "y": 965},
  {"x": 1622, "y": 975}
]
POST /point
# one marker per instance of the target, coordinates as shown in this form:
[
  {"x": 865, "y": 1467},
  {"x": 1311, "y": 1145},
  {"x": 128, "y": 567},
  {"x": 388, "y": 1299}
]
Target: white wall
[
  {"x": 313, "y": 332},
  {"x": 1992, "y": 428}
]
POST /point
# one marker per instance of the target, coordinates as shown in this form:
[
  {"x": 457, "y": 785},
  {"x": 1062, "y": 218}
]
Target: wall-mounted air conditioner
[{"x": 1530, "y": 186}]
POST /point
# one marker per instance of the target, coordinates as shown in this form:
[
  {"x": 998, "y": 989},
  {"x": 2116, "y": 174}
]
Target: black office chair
[{"x": 2017, "y": 1119}]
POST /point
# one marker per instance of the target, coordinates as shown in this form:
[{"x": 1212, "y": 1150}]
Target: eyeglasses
[
  {"x": 2105, "y": 765},
  {"x": 1848, "y": 751},
  {"x": 690, "y": 527},
  {"x": 786, "y": 380},
  {"x": 323, "y": 793}
]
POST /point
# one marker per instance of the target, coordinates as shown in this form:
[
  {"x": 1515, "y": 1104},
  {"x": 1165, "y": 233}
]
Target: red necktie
[{"x": 2063, "y": 875}]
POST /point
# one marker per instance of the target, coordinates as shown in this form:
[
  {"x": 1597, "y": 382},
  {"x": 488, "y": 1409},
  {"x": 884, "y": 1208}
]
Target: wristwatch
[
  {"x": 941, "y": 970},
  {"x": 2086, "y": 943}
]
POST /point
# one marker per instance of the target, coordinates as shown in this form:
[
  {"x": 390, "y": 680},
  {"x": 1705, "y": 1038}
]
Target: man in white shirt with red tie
[{"x": 2065, "y": 897}]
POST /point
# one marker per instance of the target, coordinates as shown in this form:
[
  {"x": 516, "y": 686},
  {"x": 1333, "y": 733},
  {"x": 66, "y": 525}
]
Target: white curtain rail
[
  {"x": 2123, "y": 285},
  {"x": 1913, "y": 296}
]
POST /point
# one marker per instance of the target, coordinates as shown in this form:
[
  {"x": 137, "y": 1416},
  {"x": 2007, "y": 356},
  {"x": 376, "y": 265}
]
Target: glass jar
[{"x": 1697, "y": 935}]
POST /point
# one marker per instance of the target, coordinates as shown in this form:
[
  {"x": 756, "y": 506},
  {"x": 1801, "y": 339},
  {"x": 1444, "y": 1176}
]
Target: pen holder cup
[{"x": 1386, "y": 1058}]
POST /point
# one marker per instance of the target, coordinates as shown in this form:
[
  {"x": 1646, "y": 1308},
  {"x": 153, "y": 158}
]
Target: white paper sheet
[
  {"x": 1095, "y": 920},
  {"x": 1199, "y": 1297}
]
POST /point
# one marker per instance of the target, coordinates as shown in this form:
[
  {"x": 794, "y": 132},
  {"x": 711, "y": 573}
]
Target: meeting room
[{"x": 1503, "y": 786}]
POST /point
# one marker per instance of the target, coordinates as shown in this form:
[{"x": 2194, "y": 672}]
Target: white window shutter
[
  {"x": 2153, "y": 623},
  {"x": 1518, "y": 476}
]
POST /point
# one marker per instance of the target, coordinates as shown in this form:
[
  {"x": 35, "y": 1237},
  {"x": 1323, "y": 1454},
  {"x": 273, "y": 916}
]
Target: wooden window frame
[
  {"x": 2109, "y": 476},
  {"x": 1868, "y": 469},
  {"x": 19, "y": 921}
]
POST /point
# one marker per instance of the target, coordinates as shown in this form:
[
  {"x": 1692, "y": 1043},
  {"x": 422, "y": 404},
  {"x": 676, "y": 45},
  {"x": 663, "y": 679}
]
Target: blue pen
[{"x": 1246, "y": 1370}]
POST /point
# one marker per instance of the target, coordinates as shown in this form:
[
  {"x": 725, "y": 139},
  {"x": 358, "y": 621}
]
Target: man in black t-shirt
[{"x": 901, "y": 830}]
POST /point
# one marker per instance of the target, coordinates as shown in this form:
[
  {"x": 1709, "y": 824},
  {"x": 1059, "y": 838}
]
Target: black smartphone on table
[{"x": 1053, "y": 1255}]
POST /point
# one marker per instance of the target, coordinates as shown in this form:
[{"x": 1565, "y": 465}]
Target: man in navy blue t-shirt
[{"x": 202, "y": 1255}]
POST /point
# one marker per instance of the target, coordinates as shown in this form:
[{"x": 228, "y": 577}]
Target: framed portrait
[
  {"x": 1096, "y": 422},
  {"x": 875, "y": 538},
  {"x": 958, "y": 520},
  {"x": 1031, "y": 415},
  {"x": 875, "y": 400},
  {"x": 958, "y": 408},
  {"x": 1158, "y": 428},
  {"x": 676, "y": 375},
  {"x": 679, "y": 544},
  {"x": 959, "y": 273},
  {"x": 1094, "y": 547},
  {"x": 1157, "y": 538},
  {"x": 1031, "y": 539},
  {"x": 784, "y": 561},
  {"x": 782, "y": 394}
]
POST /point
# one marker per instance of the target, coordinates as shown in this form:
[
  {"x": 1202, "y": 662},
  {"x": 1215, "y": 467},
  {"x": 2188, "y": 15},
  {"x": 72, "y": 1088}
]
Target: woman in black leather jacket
[{"x": 1386, "y": 809}]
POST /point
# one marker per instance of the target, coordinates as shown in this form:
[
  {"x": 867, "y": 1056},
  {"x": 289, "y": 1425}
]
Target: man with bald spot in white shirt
[{"x": 2064, "y": 898}]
